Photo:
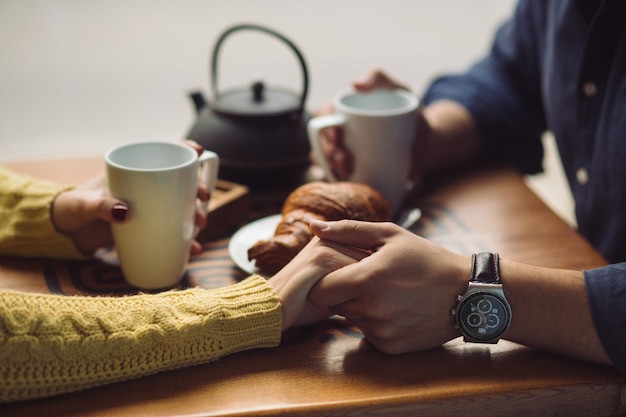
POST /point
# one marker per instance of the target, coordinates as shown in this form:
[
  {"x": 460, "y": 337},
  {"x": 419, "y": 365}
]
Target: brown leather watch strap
[{"x": 486, "y": 268}]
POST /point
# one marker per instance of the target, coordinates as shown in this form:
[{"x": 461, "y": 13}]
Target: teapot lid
[{"x": 256, "y": 101}]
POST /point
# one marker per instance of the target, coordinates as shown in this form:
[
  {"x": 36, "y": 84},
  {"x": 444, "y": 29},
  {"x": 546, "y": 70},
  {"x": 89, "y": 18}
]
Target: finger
[
  {"x": 351, "y": 310},
  {"x": 391, "y": 344},
  {"x": 200, "y": 220},
  {"x": 358, "y": 234},
  {"x": 342, "y": 164},
  {"x": 195, "y": 145},
  {"x": 195, "y": 248},
  {"x": 203, "y": 194},
  {"x": 310, "y": 315},
  {"x": 374, "y": 79},
  {"x": 109, "y": 209},
  {"x": 88, "y": 240},
  {"x": 338, "y": 288},
  {"x": 327, "y": 108},
  {"x": 330, "y": 137},
  {"x": 318, "y": 259},
  {"x": 354, "y": 253},
  {"x": 337, "y": 161}
]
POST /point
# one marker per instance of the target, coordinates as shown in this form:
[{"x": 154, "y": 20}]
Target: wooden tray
[{"x": 228, "y": 208}]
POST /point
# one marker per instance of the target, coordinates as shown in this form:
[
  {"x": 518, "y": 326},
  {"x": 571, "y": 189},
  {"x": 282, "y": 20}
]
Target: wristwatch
[{"x": 483, "y": 313}]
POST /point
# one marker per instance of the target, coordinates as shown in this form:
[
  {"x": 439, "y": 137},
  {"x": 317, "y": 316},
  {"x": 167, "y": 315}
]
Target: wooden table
[{"x": 328, "y": 369}]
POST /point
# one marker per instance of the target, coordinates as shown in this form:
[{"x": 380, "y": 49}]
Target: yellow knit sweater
[
  {"x": 53, "y": 344},
  {"x": 25, "y": 227}
]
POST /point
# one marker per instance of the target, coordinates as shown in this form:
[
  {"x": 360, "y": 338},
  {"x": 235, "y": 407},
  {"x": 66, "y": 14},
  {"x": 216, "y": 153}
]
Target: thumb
[
  {"x": 358, "y": 234},
  {"x": 108, "y": 209},
  {"x": 75, "y": 209}
]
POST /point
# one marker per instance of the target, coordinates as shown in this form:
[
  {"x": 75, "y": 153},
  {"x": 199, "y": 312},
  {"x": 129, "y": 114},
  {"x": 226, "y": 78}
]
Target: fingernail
[
  {"x": 204, "y": 194},
  {"x": 119, "y": 212}
]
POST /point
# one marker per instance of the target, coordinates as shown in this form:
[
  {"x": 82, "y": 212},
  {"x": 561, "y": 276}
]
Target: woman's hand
[
  {"x": 86, "y": 213},
  {"x": 294, "y": 281}
]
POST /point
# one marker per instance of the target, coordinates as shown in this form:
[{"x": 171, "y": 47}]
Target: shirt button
[
  {"x": 590, "y": 89},
  {"x": 582, "y": 176}
]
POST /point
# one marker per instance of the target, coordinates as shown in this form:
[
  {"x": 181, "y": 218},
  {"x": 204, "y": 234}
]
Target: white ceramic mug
[
  {"x": 379, "y": 128},
  {"x": 159, "y": 182}
]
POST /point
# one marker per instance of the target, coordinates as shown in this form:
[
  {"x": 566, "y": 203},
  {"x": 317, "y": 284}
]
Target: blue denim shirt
[{"x": 560, "y": 65}]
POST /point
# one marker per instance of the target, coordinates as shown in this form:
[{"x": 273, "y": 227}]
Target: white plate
[{"x": 244, "y": 238}]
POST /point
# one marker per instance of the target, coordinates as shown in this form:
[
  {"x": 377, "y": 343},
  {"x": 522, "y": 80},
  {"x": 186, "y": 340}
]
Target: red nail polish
[{"x": 119, "y": 212}]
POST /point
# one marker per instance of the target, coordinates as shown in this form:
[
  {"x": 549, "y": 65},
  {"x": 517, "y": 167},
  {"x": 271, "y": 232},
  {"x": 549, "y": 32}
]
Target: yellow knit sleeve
[
  {"x": 25, "y": 226},
  {"x": 53, "y": 344}
]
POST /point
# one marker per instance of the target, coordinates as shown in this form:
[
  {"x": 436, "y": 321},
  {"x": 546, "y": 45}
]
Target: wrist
[
  {"x": 457, "y": 279},
  {"x": 58, "y": 208},
  {"x": 483, "y": 312}
]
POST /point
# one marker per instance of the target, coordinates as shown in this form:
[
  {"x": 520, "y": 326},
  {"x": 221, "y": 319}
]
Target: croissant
[{"x": 315, "y": 200}]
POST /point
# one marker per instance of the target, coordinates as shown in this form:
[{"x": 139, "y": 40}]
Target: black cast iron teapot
[{"x": 258, "y": 132}]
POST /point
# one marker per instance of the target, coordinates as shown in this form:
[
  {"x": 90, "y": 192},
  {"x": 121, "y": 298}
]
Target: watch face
[{"x": 484, "y": 315}]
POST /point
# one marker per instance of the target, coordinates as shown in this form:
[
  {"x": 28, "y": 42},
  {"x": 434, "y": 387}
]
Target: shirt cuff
[{"x": 606, "y": 290}]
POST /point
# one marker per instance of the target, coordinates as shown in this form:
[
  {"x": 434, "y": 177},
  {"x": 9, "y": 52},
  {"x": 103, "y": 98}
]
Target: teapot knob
[{"x": 257, "y": 91}]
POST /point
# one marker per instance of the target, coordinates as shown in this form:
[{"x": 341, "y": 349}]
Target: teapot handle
[{"x": 305, "y": 75}]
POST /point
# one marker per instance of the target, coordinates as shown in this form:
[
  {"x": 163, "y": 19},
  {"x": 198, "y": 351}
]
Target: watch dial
[{"x": 484, "y": 315}]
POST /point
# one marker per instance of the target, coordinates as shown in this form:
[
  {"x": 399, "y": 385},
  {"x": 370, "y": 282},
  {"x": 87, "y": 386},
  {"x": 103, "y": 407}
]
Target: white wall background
[{"x": 80, "y": 76}]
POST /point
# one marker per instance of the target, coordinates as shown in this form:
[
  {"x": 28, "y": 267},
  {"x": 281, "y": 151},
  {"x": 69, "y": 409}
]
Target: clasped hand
[
  {"x": 401, "y": 295},
  {"x": 395, "y": 286}
]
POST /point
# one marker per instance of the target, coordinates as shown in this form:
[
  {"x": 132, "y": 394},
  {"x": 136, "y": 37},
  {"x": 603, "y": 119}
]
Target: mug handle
[
  {"x": 315, "y": 127},
  {"x": 209, "y": 162}
]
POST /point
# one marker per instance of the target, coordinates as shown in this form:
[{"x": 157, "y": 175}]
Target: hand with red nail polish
[{"x": 85, "y": 214}]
